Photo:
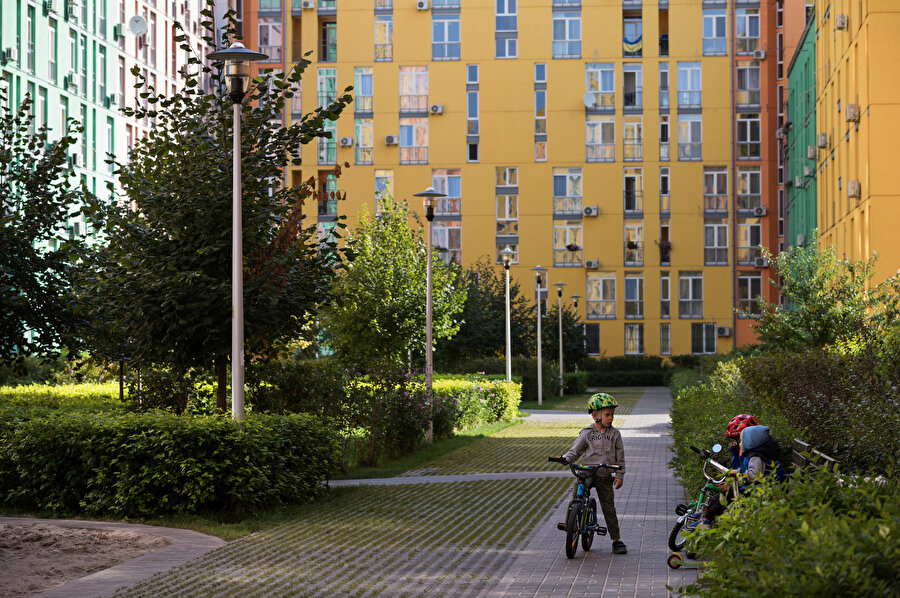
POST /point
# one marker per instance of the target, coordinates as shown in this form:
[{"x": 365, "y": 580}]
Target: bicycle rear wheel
[
  {"x": 587, "y": 538},
  {"x": 573, "y": 528}
]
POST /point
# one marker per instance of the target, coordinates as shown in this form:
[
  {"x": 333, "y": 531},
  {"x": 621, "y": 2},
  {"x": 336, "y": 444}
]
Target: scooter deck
[{"x": 677, "y": 561}]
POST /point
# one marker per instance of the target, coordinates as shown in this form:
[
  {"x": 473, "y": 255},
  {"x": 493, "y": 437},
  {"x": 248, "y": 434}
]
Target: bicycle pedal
[
  {"x": 600, "y": 530},
  {"x": 561, "y": 526}
]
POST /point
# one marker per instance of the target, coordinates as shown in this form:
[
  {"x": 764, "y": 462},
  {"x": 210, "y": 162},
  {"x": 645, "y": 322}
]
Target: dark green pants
[{"x": 604, "y": 487}]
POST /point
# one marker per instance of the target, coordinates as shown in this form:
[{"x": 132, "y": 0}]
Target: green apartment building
[{"x": 800, "y": 138}]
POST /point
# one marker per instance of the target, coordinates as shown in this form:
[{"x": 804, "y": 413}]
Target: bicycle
[
  {"x": 581, "y": 515},
  {"x": 689, "y": 515}
]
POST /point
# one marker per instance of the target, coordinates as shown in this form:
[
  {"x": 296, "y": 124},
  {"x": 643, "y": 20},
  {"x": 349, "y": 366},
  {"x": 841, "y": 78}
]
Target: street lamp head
[
  {"x": 559, "y": 287},
  {"x": 429, "y": 198},
  {"x": 575, "y": 299},
  {"x": 506, "y": 254},
  {"x": 538, "y": 273},
  {"x": 237, "y": 61}
]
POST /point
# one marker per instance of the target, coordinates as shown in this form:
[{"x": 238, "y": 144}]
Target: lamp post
[
  {"x": 506, "y": 254},
  {"x": 575, "y": 299},
  {"x": 559, "y": 287},
  {"x": 538, "y": 273},
  {"x": 429, "y": 196},
  {"x": 237, "y": 60}
]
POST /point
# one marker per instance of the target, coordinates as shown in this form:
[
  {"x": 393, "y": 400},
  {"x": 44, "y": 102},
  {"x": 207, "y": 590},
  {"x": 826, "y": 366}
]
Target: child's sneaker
[
  {"x": 619, "y": 547},
  {"x": 691, "y": 521}
]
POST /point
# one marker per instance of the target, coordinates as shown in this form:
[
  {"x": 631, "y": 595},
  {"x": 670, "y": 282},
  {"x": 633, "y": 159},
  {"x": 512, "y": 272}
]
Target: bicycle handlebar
[{"x": 562, "y": 461}]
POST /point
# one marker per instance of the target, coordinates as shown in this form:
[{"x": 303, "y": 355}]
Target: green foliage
[
  {"x": 628, "y": 378},
  {"x": 158, "y": 463},
  {"x": 36, "y": 196},
  {"x": 575, "y": 382},
  {"x": 820, "y": 538},
  {"x": 380, "y": 308},
  {"x": 623, "y": 363},
  {"x": 479, "y": 401},
  {"x": 159, "y": 290},
  {"x": 574, "y": 349}
]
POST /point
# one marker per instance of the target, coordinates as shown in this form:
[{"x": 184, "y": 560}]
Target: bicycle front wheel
[
  {"x": 587, "y": 538},
  {"x": 573, "y": 528}
]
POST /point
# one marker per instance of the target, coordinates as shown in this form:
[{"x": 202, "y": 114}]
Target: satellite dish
[
  {"x": 137, "y": 25},
  {"x": 589, "y": 100}
]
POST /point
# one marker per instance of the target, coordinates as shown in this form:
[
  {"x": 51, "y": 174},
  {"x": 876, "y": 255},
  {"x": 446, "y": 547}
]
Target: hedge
[
  {"x": 479, "y": 402},
  {"x": 62, "y": 396},
  {"x": 158, "y": 463},
  {"x": 628, "y": 378}
]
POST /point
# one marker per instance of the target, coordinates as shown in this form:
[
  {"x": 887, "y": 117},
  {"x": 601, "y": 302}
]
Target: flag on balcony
[{"x": 633, "y": 45}]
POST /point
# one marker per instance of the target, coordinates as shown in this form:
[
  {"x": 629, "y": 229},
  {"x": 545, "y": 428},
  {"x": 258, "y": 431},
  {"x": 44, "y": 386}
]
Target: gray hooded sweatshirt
[{"x": 596, "y": 447}]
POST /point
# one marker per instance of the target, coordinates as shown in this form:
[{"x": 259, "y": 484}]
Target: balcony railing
[
  {"x": 633, "y": 99},
  {"x": 413, "y": 103},
  {"x": 601, "y": 152},
  {"x": 633, "y": 151},
  {"x": 663, "y": 45},
  {"x": 748, "y": 202},
  {"x": 634, "y": 253},
  {"x": 664, "y": 150},
  {"x": 715, "y": 203},
  {"x": 413, "y": 155},
  {"x": 565, "y": 258},
  {"x": 567, "y": 205},
  {"x": 690, "y": 151},
  {"x": 747, "y": 97},
  {"x": 633, "y": 201}
]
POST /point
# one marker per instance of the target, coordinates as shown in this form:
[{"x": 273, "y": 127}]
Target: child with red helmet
[{"x": 732, "y": 432}]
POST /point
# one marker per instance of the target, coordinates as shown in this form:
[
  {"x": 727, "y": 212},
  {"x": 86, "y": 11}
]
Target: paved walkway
[{"x": 538, "y": 569}]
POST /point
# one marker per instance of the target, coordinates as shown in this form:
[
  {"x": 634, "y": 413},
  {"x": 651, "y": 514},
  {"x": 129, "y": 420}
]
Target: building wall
[
  {"x": 857, "y": 68},
  {"x": 799, "y": 137}
]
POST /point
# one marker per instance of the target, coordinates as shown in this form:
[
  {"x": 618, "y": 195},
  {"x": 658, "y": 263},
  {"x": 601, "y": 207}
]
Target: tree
[
  {"x": 380, "y": 310},
  {"x": 159, "y": 290},
  {"x": 36, "y": 196},
  {"x": 482, "y": 330},
  {"x": 574, "y": 349}
]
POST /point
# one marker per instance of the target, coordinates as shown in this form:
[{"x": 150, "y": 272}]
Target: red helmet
[{"x": 738, "y": 423}]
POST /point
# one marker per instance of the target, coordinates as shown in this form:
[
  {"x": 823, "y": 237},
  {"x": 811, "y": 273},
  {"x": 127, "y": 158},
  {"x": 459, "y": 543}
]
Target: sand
[{"x": 36, "y": 557}]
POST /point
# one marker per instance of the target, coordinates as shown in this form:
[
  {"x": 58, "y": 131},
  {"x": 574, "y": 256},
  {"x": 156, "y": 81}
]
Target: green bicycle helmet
[{"x": 600, "y": 400}]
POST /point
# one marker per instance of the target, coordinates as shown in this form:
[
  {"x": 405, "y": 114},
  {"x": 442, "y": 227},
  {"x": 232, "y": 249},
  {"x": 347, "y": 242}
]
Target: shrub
[
  {"x": 144, "y": 465},
  {"x": 685, "y": 361},
  {"x": 628, "y": 378},
  {"x": 575, "y": 382},
  {"x": 623, "y": 363},
  {"x": 822, "y": 538},
  {"x": 527, "y": 369}
]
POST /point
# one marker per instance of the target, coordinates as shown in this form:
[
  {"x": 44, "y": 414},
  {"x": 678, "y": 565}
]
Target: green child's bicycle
[{"x": 581, "y": 516}]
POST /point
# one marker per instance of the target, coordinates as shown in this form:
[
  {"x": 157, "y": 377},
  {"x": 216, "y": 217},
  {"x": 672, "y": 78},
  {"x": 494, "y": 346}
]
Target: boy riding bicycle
[{"x": 602, "y": 443}]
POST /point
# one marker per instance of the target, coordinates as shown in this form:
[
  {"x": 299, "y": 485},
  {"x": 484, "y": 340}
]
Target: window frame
[
  {"x": 690, "y": 305},
  {"x": 569, "y": 45},
  {"x": 600, "y": 301}
]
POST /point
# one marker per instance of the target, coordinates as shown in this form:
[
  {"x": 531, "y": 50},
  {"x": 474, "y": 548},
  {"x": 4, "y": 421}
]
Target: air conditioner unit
[
  {"x": 779, "y": 133},
  {"x": 851, "y": 112},
  {"x": 591, "y": 211},
  {"x": 853, "y": 189},
  {"x": 760, "y": 211},
  {"x": 436, "y": 108},
  {"x": 49, "y": 6},
  {"x": 391, "y": 140},
  {"x": 70, "y": 82},
  {"x": 118, "y": 31},
  {"x": 811, "y": 152},
  {"x": 308, "y": 4},
  {"x": 822, "y": 140},
  {"x": 798, "y": 181},
  {"x": 761, "y": 262},
  {"x": 807, "y": 171},
  {"x": 591, "y": 264},
  {"x": 841, "y": 21},
  {"x": 759, "y": 54},
  {"x": 346, "y": 141},
  {"x": 10, "y": 55},
  {"x": 801, "y": 240},
  {"x": 422, "y": 4},
  {"x": 723, "y": 330}
]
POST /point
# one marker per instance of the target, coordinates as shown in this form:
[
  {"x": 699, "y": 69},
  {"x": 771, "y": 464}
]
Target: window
[
  {"x": 506, "y": 15},
  {"x": 664, "y": 198},
  {"x": 592, "y": 338},
  {"x": 413, "y": 88},
  {"x": 632, "y": 87},
  {"x": 328, "y": 204},
  {"x": 513, "y": 259},
  {"x": 665, "y": 295},
  {"x": 447, "y": 239},
  {"x": 540, "y": 111},
  {"x": 384, "y": 38},
  {"x": 363, "y": 85},
  {"x": 506, "y": 23},
  {"x": 665, "y": 339},
  {"x": 472, "y": 112},
  {"x": 689, "y": 85},
  {"x": 472, "y": 152},
  {"x": 327, "y": 147},
  {"x": 748, "y": 136},
  {"x": 29, "y": 39},
  {"x": 690, "y": 137},
  {"x": 54, "y": 50},
  {"x": 600, "y": 139},
  {"x": 664, "y": 137},
  {"x": 327, "y": 86},
  {"x": 633, "y": 186},
  {"x": 448, "y": 182},
  {"x": 444, "y": 36},
  {"x": 633, "y": 140},
  {"x": 600, "y": 82},
  {"x": 365, "y": 140},
  {"x": 690, "y": 295},
  {"x": 601, "y": 296},
  {"x": 703, "y": 338},
  {"x": 715, "y": 189},
  {"x": 665, "y": 245},
  {"x": 567, "y": 191},
  {"x": 715, "y": 242},
  {"x": 328, "y": 42},
  {"x": 506, "y": 47},
  {"x": 110, "y": 142},
  {"x": 567, "y": 243},
  {"x": 472, "y": 74},
  {"x": 634, "y": 339},
  {"x": 384, "y": 185},
  {"x": 540, "y": 73},
  {"x": 749, "y": 240},
  {"x": 270, "y": 37},
  {"x": 749, "y": 187},
  {"x": 748, "y": 83},
  {"x": 507, "y": 176},
  {"x": 566, "y": 35},
  {"x": 634, "y": 295},
  {"x": 413, "y": 140},
  {"x": 507, "y": 214},
  {"x": 663, "y": 85},
  {"x": 714, "y": 33},
  {"x": 634, "y": 244},
  {"x": 746, "y": 26},
  {"x": 749, "y": 288},
  {"x": 632, "y": 34}
]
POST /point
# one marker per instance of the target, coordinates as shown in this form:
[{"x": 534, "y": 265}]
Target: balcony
[
  {"x": 664, "y": 151},
  {"x": 601, "y": 152},
  {"x": 633, "y": 151},
  {"x": 568, "y": 207},
  {"x": 414, "y": 103},
  {"x": 633, "y": 99},
  {"x": 634, "y": 203},
  {"x": 665, "y": 253},
  {"x": 715, "y": 203},
  {"x": 663, "y": 45},
  {"x": 634, "y": 253},
  {"x": 567, "y": 258},
  {"x": 690, "y": 151},
  {"x": 748, "y": 202}
]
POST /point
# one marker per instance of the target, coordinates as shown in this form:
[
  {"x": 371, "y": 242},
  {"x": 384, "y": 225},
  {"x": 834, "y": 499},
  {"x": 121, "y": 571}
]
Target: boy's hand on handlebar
[{"x": 617, "y": 483}]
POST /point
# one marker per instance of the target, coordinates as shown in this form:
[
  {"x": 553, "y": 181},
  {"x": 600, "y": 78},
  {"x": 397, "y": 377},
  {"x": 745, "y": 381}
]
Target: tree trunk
[{"x": 221, "y": 371}]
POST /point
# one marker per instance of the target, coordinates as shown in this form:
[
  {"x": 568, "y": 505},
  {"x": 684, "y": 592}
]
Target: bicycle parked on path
[
  {"x": 689, "y": 515},
  {"x": 581, "y": 515}
]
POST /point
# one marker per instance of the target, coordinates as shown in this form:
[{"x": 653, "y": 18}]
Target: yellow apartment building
[
  {"x": 858, "y": 126},
  {"x": 595, "y": 139}
]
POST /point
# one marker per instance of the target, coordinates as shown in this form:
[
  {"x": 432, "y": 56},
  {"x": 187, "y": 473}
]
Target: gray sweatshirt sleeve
[
  {"x": 620, "y": 456},
  {"x": 577, "y": 449}
]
